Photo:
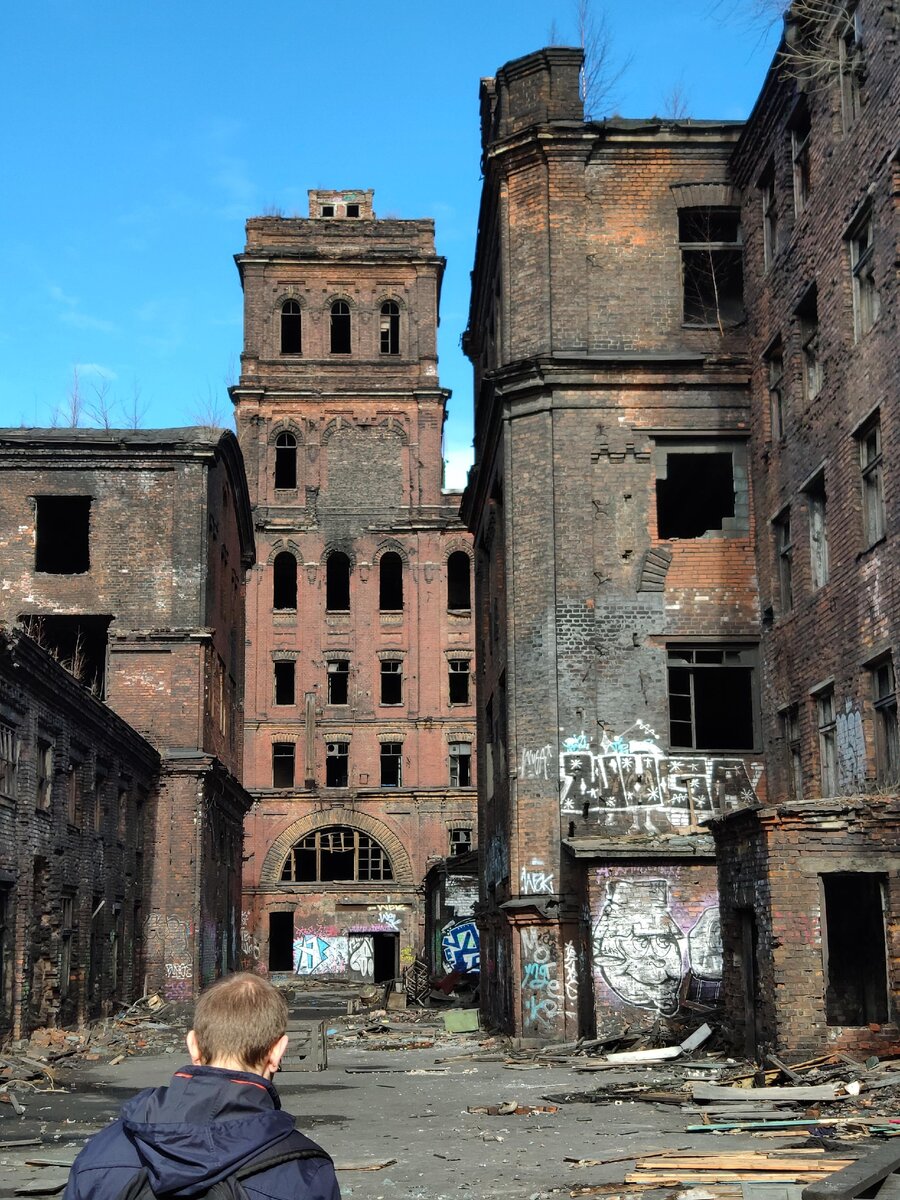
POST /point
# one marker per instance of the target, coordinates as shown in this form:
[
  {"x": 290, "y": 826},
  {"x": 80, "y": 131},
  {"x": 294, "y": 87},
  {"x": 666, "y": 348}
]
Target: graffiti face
[
  {"x": 637, "y": 945},
  {"x": 461, "y": 947},
  {"x": 705, "y": 945}
]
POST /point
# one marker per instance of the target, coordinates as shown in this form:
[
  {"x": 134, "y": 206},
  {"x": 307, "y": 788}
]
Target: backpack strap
[
  {"x": 294, "y": 1146},
  {"x": 138, "y": 1188}
]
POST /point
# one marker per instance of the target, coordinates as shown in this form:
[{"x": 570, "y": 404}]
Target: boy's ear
[
  {"x": 275, "y": 1055},
  {"x": 194, "y": 1049}
]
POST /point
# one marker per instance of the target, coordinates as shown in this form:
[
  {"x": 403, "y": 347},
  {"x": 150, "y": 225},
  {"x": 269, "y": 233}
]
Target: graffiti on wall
[
  {"x": 534, "y": 879},
  {"x": 851, "y": 748},
  {"x": 250, "y": 948},
  {"x": 630, "y": 780},
  {"x": 170, "y": 941},
  {"x": 642, "y": 953},
  {"x": 461, "y": 946},
  {"x": 541, "y": 987}
]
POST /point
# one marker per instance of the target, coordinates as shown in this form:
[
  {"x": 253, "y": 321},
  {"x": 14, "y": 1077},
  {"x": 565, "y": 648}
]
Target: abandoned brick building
[
  {"x": 659, "y": 664},
  {"x": 359, "y": 696},
  {"x": 149, "y": 616}
]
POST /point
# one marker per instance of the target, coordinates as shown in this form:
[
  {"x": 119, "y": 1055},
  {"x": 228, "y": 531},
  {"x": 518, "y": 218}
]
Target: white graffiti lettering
[
  {"x": 536, "y": 764},
  {"x": 534, "y": 882}
]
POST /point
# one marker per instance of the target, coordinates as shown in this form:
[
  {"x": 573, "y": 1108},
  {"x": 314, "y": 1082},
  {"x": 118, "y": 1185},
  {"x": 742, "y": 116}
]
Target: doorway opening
[
  {"x": 386, "y": 956},
  {"x": 856, "y": 986},
  {"x": 281, "y": 941}
]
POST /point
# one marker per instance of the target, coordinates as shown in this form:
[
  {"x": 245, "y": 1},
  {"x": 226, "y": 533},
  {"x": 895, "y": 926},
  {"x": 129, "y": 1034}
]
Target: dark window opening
[
  {"x": 44, "y": 771},
  {"x": 391, "y": 681},
  {"x": 712, "y": 266},
  {"x": 784, "y": 549},
  {"x": 78, "y": 643},
  {"x": 801, "y": 128},
  {"x": 459, "y": 585},
  {"x": 337, "y": 764},
  {"x": 460, "y": 769},
  {"x": 696, "y": 495},
  {"x": 62, "y": 534},
  {"x": 887, "y": 734},
  {"x": 808, "y": 316},
  {"x": 291, "y": 328},
  {"x": 283, "y": 756},
  {"x": 337, "y": 582},
  {"x": 774, "y": 359},
  {"x": 281, "y": 941},
  {"x": 871, "y": 468},
  {"x": 459, "y": 680},
  {"x": 284, "y": 581},
  {"x": 391, "y": 764},
  {"x": 327, "y": 210},
  {"x": 336, "y": 855},
  {"x": 389, "y": 327},
  {"x": 286, "y": 461},
  {"x": 352, "y": 210},
  {"x": 338, "y": 680},
  {"x": 460, "y": 841},
  {"x": 711, "y": 699},
  {"x": 340, "y": 327},
  {"x": 390, "y": 582},
  {"x": 285, "y": 673},
  {"x": 856, "y": 988}
]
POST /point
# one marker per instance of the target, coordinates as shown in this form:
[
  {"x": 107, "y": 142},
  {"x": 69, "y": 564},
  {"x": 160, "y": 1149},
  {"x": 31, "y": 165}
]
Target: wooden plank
[
  {"x": 856, "y": 1178},
  {"x": 715, "y": 1091}
]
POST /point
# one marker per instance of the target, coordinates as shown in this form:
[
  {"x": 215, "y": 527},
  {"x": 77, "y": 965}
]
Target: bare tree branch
[
  {"x": 600, "y": 75},
  {"x": 676, "y": 103}
]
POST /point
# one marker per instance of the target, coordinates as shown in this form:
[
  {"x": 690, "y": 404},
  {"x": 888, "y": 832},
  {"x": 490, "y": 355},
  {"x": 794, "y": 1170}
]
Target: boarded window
[
  {"x": 284, "y": 581},
  {"x": 336, "y": 855},
  {"x": 390, "y": 582},
  {"x": 284, "y": 682},
  {"x": 338, "y": 679},
  {"x": 712, "y": 266},
  {"x": 337, "y": 582},
  {"x": 856, "y": 991},
  {"x": 711, "y": 698},
  {"x": 340, "y": 327},
  {"x": 286, "y": 461},
  {"x": 62, "y": 534},
  {"x": 391, "y": 764},
  {"x": 696, "y": 495},
  {"x": 459, "y": 585},
  {"x": 283, "y": 756},
  {"x": 291, "y": 328},
  {"x": 337, "y": 764}
]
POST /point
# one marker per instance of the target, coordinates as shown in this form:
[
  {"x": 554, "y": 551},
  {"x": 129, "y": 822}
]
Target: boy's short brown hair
[{"x": 240, "y": 1016}]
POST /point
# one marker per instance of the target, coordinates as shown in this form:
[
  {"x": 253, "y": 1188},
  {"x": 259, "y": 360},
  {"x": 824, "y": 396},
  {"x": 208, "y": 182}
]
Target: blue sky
[{"x": 139, "y": 137}]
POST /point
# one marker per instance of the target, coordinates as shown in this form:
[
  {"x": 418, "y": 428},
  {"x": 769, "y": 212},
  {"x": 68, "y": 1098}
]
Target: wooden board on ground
[{"x": 307, "y": 1046}]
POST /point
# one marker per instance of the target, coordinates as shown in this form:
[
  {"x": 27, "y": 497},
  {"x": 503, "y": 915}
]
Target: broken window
[
  {"x": 712, "y": 266},
  {"x": 460, "y": 769},
  {"x": 808, "y": 316},
  {"x": 391, "y": 759},
  {"x": 286, "y": 461},
  {"x": 391, "y": 681},
  {"x": 44, "y": 775},
  {"x": 770, "y": 216},
  {"x": 284, "y": 582},
  {"x": 337, "y": 764},
  {"x": 337, "y": 582},
  {"x": 818, "y": 530},
  {"x": 66, "y": 935},
  {"x": 283, "y": 757},
  {"x": 852, "y": 66},
  {"x": 774, "y": 360},
  {"x": 784, "y": 548},
  {"x": 827, "y": 726},
  {"x": 869, "y": 439},
  {"x": 460, "y": 841},
  {"x": 291, "y": 328},
  {"x": 337, "y": 854},
  {"x": 856, "y": 985},
  {"x": 800, "y": 156},
  {"x": 887, "y": 741},
  {"x": 338, "y": 680},
  {"x": 9, "y": 761},
  {"x": 285, "y": 673},
  {"x": 390, "y": 582},
  {"x": 866, "y": 300},
  {"x": 77, "y": 642},
  {"x": 711, "y": 697},
  {"x": 340, "y": 327},
  {"x": 458, "y": 669},
  {"x": 790, "y": 732},
  {"x": 694, "y": 493},
  {"x": 62, "y": 534},
  {"x": 459, "y": 581},
  {"x": 389, "y": 327}
]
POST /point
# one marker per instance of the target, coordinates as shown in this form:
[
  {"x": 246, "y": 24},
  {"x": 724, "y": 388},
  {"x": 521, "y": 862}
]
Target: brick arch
[
  {"x": 398, "y": 300},
  {"x": 348, "y": 300},
  {"x": 282, "y": 546},
  {"x": 455, "y": 545},
  {"x": 391, "y": 424},
  {"x": 338, "y": 548},
  {"x": 703, "y": 195},
  {"x": 389, "y": 842},
  {"x": 286, "y": 426},
  {"x": 391, "y": 546}
]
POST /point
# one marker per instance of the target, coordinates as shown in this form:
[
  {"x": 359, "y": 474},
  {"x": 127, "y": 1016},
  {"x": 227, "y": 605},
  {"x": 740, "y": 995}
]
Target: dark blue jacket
[{"x": 207, "y": 1123}]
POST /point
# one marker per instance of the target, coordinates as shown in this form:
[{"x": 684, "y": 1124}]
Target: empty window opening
[
  {"x": 711, "y": 698},
  {"x": 459, "y": 581},
  {"x": 811, "y": 363},
  {"x": 696, "y": 495},
  {"x": 458, "y": 676},
  {"x": 44, "y": 780},
  {"x": 852, "y": 68},
  {"x": 866, "y": 300},
  {"x": 62, "y": 534},
  {"x": 284, "y": 582},
  {"x": 337, "y": 855},
  {"x": 337, "y": 764},
  {"x": 856, "y": 988},
  {"x": 337, "y": 582},
  {"x": 887, "y": 739},
  {"x": 870, "y": 463},
  {"x": 774, "y": 359},
  {"x": 352, "y": 210},
  {"x": 286, "y": 461},
  {"x": 9, "y": 761},
  {"x": 391, "y": 760},
  {"x": 712, "y": 266},
  {"x": 338, "y": 681},
  {"x": 327, "y": 210},
  {"x": 291, "y": 328},
  {"x": 827, "y": 726},
  {"x": 770, "y": 216},
  {"x": 389, "y": 327},
  {"x": 801, "y": 130},
  {"x": 784, "y": 549},
  {"x": 283, "y": 758},
  {"x": 390, "y": 582},
  {"x": 66, "y": 936},
  {"x": 285, "y": 674},
  {"x": 78, "y": 643},
  {"x": 817, "y": 502},
  {"x": 99, "y": 802},
  {"x": 790, "y": 732},
  {"x": 281, "y": 941},
  {"x": 460, "y": 768},
  {"x": 340, "y": 327},
  {"x": 391, "y": 681}
]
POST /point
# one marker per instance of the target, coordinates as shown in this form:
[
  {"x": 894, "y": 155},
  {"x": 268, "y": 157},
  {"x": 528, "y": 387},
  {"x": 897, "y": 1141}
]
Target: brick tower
[{"x": 360, "y": 644}]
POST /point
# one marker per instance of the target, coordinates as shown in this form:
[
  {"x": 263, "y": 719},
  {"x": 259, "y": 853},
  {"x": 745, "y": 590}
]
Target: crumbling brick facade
[
  {"x": 359, "y": 732},
  {"x": 124, "y": 553}
]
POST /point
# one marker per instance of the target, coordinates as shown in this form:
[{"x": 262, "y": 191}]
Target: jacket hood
[{"x": 203, "y": 1126}]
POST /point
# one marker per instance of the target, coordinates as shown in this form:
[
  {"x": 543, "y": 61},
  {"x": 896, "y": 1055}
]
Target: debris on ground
[{"x": 749, "y": 1166}]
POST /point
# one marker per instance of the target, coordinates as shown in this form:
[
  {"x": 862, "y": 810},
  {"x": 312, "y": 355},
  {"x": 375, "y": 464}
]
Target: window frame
[
  {"x": 706, "y": 246},
  {"x": 819, "y": 551},
  {"x": 290, "y": 327},
  {"x": 826, "y": 728},
  {"x": 390, "y": 674},
  {"x": 801, "y": 141},
  {"x": 677, "y": 658},
  {"x": 340, "y": 327},
  {"x": 337, "y": 668},
  {"x": 887, "y": 730},
  {"x": 793, "y": 742},
  {"x": 458, "y": 753},
  {"x": 284, "y": 667},
  {"x": 866, "y": 297},
  {"x": 10, "y": 746},
  {"x": 285, "y": 461},
  {"x": 871, "y": 468},
  {"x": 770, "y": 216},
  {"x": 390, "y": 762},
  {"x": 459, "y": 666},
  {"x": 773, "y": 357},
  {"x": 389, "y": 329},
  {"x": 280, "y": 755},
  {"x": 361, "y": 841},
  {"x": 337, "y": 751},
  {"x": 784, "y": 557}
]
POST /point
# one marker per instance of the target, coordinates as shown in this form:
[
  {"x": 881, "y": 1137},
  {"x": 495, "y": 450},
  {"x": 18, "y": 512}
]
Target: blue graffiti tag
[{"x": 461, "y": 947}]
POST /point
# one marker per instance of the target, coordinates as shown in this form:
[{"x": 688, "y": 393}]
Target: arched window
[
  {"x": 284, "y": 581},
  {"x": 459, "y": 587},
  {"x": 337, "y": 582},
  {"x": 390, "y": 582},
  {"x": 390, "y": 327},
  {"x": 285, "y": 461},
  {"x": 340, "y": 327},
  {"x": 337, "y": 854},
  {"x": 291, "y": 328}
]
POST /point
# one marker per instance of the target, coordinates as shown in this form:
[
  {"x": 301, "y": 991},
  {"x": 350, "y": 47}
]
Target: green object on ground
[{"x": 461, "y": 1020}]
